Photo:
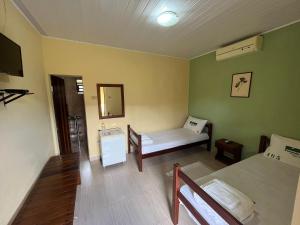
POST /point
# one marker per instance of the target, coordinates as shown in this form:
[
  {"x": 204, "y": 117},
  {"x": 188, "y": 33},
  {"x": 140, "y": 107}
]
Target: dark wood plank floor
[{"x": 52, "y": 199}]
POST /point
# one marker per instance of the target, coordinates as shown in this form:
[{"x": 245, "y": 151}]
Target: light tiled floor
[{"x": 120, "y": 195}]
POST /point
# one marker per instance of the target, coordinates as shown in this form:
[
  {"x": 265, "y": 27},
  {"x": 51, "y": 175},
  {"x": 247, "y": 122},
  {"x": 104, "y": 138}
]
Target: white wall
[{"x": 26, "y": 139}]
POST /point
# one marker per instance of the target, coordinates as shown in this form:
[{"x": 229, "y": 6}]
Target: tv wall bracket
[{"x": 9, "y": 95}]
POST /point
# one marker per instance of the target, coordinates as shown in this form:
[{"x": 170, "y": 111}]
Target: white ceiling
[{"x": 204, "y": 24}]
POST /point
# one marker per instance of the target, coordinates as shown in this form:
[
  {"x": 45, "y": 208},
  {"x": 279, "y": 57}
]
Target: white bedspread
[
  {"x": 269, "y": 183},
  {"x": 172, "y": 138}
]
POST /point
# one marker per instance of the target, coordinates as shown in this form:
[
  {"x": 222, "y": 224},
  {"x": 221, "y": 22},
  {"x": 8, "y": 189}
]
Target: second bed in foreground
[{"x": 270, "y": 184}]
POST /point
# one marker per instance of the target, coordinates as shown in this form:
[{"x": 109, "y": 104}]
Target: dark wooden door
[{"x": 61, "y": 114}]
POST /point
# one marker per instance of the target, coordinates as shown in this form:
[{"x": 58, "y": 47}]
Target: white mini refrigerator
[{"x": 112, "y": 146}]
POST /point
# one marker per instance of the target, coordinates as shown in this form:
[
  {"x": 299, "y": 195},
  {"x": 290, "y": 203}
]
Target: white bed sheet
[
  {"x": 172, "y": 138},
  {"x": 269, "y": 183}
]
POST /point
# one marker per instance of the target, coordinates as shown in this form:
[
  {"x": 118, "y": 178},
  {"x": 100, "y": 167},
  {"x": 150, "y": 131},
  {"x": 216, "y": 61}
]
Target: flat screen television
[{"x": 10, "y": 57}]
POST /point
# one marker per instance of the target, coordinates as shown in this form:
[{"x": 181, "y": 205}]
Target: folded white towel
[
  {"x": 222, "y": 193},
  {"x": 207, "y": 213},
  {"x": 234, "y": 201},
  {"x": 146, "y": 140},
  {"x": 145, "y": 137}
]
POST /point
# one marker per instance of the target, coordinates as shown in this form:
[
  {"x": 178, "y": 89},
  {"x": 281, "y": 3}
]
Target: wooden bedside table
[{"x": 228, "y": 153}]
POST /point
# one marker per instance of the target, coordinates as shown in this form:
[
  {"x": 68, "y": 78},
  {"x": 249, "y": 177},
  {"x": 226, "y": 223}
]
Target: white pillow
[
  {"x": 195, "y": 124},
  {"x": 284, "y": 149}
]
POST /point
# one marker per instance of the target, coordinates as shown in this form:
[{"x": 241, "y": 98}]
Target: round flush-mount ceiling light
[{"x": 167, "y": 19}]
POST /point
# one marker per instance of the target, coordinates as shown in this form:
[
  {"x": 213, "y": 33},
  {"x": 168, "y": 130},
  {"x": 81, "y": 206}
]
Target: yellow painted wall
[
  {"x": 155, "y": 87},
  {"x": 26, "y": 141}
]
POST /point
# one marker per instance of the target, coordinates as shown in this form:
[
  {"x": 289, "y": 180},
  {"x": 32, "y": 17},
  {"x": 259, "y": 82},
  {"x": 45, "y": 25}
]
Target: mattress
[
  {"x": 172, "y": 138},
  {"x": 269, "y": 183}
]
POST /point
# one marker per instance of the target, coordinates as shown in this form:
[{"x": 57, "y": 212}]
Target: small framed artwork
[{"x": 241, "y": 84}]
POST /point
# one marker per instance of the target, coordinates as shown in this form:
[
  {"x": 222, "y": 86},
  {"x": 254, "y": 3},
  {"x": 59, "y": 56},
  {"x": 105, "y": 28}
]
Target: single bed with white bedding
[
  {"x": 195, "y": 132},
  {"x": 270, "y": 183},
  {"x": 172, "y": 138}
]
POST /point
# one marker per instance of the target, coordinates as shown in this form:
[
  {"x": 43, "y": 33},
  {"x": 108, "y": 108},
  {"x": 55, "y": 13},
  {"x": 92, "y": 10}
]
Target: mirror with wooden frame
[{"x": 110, "y": 100}]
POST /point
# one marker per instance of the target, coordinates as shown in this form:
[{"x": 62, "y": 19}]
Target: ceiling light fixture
[{"x": 167, "y": 19}]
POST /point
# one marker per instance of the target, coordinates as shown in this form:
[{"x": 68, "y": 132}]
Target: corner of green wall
[{"x": 273, "y": 105}]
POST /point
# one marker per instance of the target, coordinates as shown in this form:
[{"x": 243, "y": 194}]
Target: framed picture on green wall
[{"x": 241, "y": 84}]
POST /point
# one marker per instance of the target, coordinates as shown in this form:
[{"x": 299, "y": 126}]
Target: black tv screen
[{"x": 10, "y": 57}]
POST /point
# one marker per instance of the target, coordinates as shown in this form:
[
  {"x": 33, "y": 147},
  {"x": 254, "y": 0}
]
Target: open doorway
[{"x": 69, "y": 108}]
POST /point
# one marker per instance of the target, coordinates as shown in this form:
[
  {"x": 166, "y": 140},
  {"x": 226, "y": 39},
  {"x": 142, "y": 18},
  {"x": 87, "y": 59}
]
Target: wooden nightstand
[{"x": 228, "y": 153}]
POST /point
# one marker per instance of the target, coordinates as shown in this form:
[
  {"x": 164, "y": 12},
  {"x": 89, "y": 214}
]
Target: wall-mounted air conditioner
[{"x": 249, "y": 45}]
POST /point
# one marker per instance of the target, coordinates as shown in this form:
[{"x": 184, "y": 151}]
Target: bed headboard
[{"x": 264, "y": 143}]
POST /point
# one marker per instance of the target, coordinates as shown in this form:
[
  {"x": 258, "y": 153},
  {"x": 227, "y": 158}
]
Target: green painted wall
[{"x": 274, "y": 103}]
